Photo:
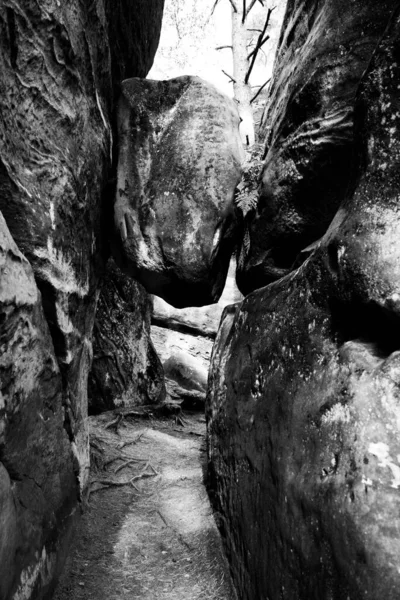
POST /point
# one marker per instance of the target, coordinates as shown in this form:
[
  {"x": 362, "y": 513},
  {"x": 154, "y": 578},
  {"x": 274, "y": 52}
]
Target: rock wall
[
  {"x": 38, "y": 486},
  {"x": 307, "y": 127},
  {"x": 303, "y": 409},
  {"x": 61, "y": 64},
  {"x": 58, "y": 64},
  {"x": 126, "y": 370}
]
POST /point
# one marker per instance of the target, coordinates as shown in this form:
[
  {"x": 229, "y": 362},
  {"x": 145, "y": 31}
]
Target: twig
[
  {"x": 214, "y": 6},
  {"x": 230, "y": 77},
  {"x": 223, "y": 47},
  {"x": 252, "y": 3},
  {"x": 162, "y": 517},
  {"x": 96, "y": 444},
  {"x": 121, "y": 457},
  {"x": 233, "y": 6},
  {"x": 110, "y": 482},
  {"x": 259, "y": 91},
  {"x": 125, "y": 464},
  {"x": 114, "y": 423},
  {"x": 258, "y": 45},
  {"x": 135, "y": 441},
  {"x": 141, "y": 476},
  {"x": 155, "y": 471},
  {"x": 244, "y": 12}
]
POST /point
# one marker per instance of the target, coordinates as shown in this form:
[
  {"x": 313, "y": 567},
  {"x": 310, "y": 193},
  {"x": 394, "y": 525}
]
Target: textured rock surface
[
  {"x": 38, "y": 488},
  {"x": 304, "y": 401},
  {"x": 308, "y": 127},
  {"x": 179, "y": 162},
  {"x": 60, "y": 63},
  {"x": 126, "y": 370}
]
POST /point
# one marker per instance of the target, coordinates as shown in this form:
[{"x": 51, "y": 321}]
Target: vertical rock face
[
  {"x": 59, "y": 64},
  {"x": 38, "y": 488},
  {"x": 308, "y": 126},
  {"x": 304, "y": 397},
  {"x": 179, "y": 163},
  {"x": 126, "y": 370}
]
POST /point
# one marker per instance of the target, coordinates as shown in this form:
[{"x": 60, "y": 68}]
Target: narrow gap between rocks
[{"x": 148, "y": 530}]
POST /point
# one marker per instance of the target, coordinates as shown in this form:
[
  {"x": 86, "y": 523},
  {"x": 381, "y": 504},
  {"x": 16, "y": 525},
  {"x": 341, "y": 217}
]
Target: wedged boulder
[
  {"x": 179, "y": 161},
  {"x": 126, "y": 370},
  {"x": 38, "y": 469},
  {"x": 60, "y": 64},
  {"x": 303, "y": 407},
  {"x": 307, "y": 126}
]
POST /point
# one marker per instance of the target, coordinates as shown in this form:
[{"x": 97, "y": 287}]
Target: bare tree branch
[
  {"x": 258, "y": 47},
  {"x": 260, "y": 41},
  {"x": 223, "y": 47},
  {"x": 252, "y": 3},
  {"x": 259, "y": 91},
  {"x": 230, "y": 77},
  {"x": 233, "y": 5},
  {"x": 259, "y": 30},
  {"x": 214, "y": 6},
  {"x": 244, "y": 15}
]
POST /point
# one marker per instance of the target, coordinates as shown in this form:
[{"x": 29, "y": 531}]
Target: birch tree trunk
[{"x": 241, "y": 89}]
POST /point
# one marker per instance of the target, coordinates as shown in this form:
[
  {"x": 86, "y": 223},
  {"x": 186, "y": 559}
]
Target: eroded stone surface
[
  {"x": 126, "y": 370},
  {"x": 179, "y": 162},
  {"x": 304, "y": 399},
  {"x": 38, "y": 486},
  {"x": 308, "y": 129},
  {"x": 60, "y": 65}
]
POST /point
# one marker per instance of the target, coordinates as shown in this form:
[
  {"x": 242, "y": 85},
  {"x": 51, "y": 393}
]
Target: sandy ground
[{"x": 148, "y": 531}]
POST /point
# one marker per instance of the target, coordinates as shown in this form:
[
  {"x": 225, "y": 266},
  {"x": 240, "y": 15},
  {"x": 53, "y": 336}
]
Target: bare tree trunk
[{"x": 242, "y": 90}]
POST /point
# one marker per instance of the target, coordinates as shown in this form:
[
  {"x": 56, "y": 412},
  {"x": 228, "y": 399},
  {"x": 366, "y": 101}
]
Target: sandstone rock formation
[
  {"x": 308, "y": 127},
  {"x": 126, "y": 370},
  {"x": 304, "y": 400},
  {"x": 38, "y": 488},
  {"x": 178, "y": 165},
  {"x": 61, "y": 64}
]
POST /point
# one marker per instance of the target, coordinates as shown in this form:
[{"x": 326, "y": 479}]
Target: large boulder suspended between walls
[
  {"x": 303, "y": 415},
  {"x": 179, "y": 162},
  {"x": 307, "y": 127}
]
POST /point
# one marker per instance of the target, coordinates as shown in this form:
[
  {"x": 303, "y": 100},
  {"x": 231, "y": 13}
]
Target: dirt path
[{"x": 155, "y": 537}]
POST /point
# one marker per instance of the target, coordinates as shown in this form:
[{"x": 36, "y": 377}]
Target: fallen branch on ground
[
  {"x": 121, "y": 446},
  {"x": 114, "y": 424}
]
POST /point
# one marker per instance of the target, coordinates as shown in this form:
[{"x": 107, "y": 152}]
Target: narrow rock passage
[{"x": 151, "y": 534}]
